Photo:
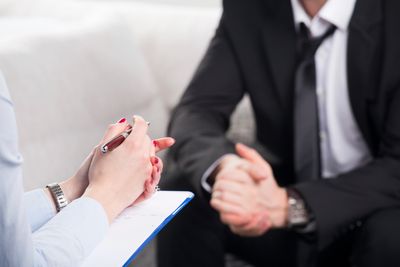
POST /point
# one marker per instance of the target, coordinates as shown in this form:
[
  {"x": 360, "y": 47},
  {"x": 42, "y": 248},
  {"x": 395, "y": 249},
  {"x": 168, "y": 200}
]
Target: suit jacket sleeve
[
  {"x": 338, "y": 203},
  {"x": 201, "y": 119}
]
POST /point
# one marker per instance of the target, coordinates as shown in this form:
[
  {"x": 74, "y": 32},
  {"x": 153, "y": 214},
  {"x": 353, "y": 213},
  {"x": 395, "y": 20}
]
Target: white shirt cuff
[{"x": 206, "y": 186}]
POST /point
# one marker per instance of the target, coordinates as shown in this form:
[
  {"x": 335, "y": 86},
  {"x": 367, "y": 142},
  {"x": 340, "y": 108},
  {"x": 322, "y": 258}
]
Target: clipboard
[{"x": 135, "y": 227}]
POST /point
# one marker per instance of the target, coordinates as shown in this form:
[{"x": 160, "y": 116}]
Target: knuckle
[
  {"x": 96, "y": 148},
  {"x": 221, "y": 184},
  {"x": 138, "y": 118},
  {"x": 214, "y": 187},
  {"x": 219, "y": 177},
  {"x": 139, "y": 121},
  {"x": 144, "y": 157},
  {"x": 242, "y": 175},
  {"x": 217, "y": 185},
  {"x": 134, "y": 145},
  {"x": 220, "y": 174},
  {"x": 160, "y": 162},
  {"x": 228, "y": 173}
]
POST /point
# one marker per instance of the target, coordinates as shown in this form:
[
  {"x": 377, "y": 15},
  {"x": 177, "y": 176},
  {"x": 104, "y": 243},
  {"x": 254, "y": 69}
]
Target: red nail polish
[
  {"x": 122, "y": 120},
  {"x": 156, "y": 160},
  {"x": 155, "y": 143}
]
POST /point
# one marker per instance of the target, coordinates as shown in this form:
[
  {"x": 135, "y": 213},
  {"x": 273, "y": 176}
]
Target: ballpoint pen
[{"x": 116, "y": 141}]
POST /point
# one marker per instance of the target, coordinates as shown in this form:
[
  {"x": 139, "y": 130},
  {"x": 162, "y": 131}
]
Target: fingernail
[
  {"x": 153, "y": 160},
  {"x": 122, "y": 120},
  {"x": 155, "y": 143}
]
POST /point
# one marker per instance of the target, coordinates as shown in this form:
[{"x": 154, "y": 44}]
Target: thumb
[
  {"x": 260, "y": 167},
  {"x": 249, "y": 153},
  {"x": 115, "y": 129},
  {"x": 256, "y": 172}
]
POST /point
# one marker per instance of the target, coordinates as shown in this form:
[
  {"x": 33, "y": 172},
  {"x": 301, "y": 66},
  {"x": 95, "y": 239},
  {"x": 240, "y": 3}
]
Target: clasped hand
[
  {"x": 246, "y": 195},
  {"x": 127, "y": 175}
]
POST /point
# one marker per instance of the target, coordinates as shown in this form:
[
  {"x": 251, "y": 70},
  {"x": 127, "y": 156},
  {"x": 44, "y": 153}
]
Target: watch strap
[
  {"x": 298, "y": 214},
  {"x": 58, "y": 196}
]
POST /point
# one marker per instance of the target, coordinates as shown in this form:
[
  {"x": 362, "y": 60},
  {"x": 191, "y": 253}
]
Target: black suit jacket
[{"x": 253, "y": 52}]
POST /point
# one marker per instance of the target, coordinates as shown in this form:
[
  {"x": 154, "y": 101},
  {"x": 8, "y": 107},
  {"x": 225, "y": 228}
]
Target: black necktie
[{"x": 306, "y": 122}]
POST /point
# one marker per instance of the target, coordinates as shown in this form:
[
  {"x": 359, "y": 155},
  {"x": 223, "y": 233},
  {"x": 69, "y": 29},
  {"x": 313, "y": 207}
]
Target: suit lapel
[
  {"x": 279, "y": 38},
  {"x": 363, "y": 60}
]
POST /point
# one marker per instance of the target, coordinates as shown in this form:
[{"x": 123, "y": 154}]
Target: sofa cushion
[
  {"x": 172, "y": 38},
  {"x": 11, "y": 6},
  {"x": 68, "y": 83}
]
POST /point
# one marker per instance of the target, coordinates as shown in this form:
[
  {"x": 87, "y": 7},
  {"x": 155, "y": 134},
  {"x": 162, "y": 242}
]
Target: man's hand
[{"x": 247, "y": 195}]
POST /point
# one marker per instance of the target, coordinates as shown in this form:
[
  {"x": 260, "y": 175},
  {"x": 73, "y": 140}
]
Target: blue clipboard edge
[{"x": 159, "y": 228}]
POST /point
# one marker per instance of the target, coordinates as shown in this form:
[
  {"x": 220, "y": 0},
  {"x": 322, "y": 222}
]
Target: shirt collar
[{"x": 336, "y": 12}]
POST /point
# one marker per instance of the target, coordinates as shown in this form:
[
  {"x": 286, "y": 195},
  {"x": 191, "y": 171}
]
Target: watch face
[{"x": 297, "y": 212}]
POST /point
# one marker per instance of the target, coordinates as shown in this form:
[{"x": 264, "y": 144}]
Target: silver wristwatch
[
  {"x": 298, "y": 215},
  {"x": 58, "y": 195}
]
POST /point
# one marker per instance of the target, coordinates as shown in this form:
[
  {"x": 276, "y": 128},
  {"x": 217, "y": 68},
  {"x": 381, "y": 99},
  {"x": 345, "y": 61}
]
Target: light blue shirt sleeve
[
  {"x": 39, "y": 208},
  {"x": 66, "y": 239},
  {"x": 69, "y": 237}
]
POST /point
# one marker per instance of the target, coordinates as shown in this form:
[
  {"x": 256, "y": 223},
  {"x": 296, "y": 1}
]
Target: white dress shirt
[
  {"x": 61, "y": 240},
  {"x": 342, "y": 145}
]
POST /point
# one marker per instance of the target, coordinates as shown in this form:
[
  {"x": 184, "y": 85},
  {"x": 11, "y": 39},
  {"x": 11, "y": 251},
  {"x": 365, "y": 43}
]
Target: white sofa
[{"x": 73, "y": 68}]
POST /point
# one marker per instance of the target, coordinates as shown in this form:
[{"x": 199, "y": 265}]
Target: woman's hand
[
  {"x": 152, "y": 182},
  {"x": 118, "y": 178},
  {"x": 75, "y": 186}
]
